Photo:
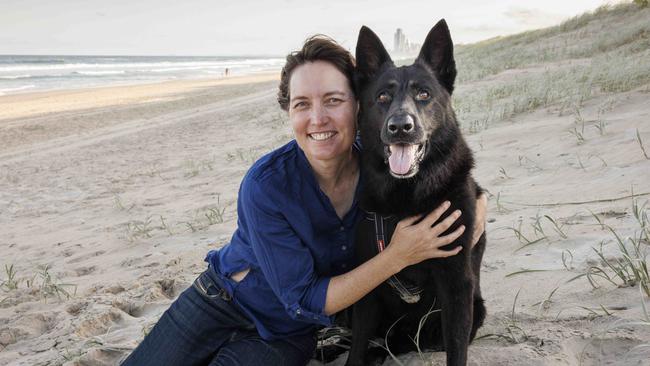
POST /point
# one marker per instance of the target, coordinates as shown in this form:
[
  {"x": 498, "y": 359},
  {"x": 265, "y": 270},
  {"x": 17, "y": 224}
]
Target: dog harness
[{"x": 407, "y": 292}]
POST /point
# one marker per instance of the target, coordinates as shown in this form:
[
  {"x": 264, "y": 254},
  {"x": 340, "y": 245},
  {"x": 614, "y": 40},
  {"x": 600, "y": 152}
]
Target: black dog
[{"x": 414, "y": 158}]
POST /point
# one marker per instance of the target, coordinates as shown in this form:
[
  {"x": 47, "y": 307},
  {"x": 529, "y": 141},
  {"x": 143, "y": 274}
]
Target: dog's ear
[
  {"x": 438, "y": 53},
  {"x": 371, "y": 54}
]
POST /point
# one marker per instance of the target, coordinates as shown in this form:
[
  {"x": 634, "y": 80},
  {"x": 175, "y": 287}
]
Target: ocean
[{"x": 36, "y": 73}]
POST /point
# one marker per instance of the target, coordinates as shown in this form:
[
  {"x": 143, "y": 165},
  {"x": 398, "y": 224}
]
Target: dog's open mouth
[{"x": 403, "y": 159}]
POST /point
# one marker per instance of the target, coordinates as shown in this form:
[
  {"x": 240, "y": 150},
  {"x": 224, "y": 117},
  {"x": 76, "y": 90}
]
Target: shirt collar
[{"x": 304, "y": 165}]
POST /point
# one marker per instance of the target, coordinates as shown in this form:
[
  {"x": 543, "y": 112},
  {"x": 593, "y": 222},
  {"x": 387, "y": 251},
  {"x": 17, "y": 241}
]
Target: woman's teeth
[{"x": 321, "y": 136}]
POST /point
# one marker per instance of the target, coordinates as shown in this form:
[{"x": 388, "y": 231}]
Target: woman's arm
[
  {"x": 481, "y": 212},
  {"x": 411, "y": 243},
  {"x": 306, "y": 295}
]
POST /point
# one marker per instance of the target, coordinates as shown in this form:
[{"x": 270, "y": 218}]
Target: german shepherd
[{"x": 414, "y": 158}]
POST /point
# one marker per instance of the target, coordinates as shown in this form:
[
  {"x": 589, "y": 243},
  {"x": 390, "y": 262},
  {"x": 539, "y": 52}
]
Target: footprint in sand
[
  {"x": 138, "y": 309},
  {"x": 617, "y": 350},
  {"x": 130, "y": 262},
  {"x": 28, "y": 327},
  {"x": 133, "y": 308},
  {"x": 76, "y": 307},
  {"x": 11, "y": 335},
  {"x": 165, "y": 289},
  {"x": 150, "y": 265},
  {"x": 114, "y": 289},
  {"x": 168, "y": 288},
  {"x": 98, "y": 324},
  {"x": 101, "y": 357},
  {"x": 83, "y": 271},
  {"x": 83, "y": 257}
]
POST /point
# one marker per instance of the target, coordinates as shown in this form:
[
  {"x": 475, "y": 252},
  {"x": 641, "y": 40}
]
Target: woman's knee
[{"x": 253, "y": 350}]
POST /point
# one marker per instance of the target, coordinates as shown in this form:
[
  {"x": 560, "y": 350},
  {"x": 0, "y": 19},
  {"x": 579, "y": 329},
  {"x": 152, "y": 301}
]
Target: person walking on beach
[{"x": 289, "y": 267}]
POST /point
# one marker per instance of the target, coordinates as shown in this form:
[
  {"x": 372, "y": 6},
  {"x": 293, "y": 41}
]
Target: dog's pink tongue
[{"x": 401, "y": 158}]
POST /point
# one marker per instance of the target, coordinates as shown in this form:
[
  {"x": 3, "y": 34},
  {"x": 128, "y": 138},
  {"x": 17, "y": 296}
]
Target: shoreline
[{"x": 36, "y": 103}]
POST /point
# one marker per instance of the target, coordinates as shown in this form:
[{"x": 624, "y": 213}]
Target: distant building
[
  {"x": 401, "y": 44},
  {"x": 399, "y": 40}
]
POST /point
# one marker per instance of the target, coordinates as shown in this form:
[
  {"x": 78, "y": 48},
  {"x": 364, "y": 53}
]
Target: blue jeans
[{"x": 205, "y": 327}]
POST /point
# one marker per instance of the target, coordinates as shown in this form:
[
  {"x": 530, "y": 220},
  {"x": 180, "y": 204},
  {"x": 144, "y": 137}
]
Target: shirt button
[
  {"x": 344, "y": 247},
  {"x": 342, "y": 228}
]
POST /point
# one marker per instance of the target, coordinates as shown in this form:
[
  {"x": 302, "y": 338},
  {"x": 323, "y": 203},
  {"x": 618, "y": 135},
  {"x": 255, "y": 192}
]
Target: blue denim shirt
[{"x": 292, "y": 241}]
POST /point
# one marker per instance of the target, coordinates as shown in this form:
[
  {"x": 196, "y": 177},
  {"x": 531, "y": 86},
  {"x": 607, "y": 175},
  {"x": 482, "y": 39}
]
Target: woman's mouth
[{"x": 321, "y": 136}]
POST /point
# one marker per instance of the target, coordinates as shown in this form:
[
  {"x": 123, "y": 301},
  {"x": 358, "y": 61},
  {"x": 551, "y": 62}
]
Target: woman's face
[{"x": 322, "y": 111}]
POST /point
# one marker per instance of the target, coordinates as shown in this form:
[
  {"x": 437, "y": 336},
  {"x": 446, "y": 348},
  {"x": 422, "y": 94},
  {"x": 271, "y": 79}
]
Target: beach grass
[
  {"x": 627, "y": 264},
  {"x": 564, "y": 66},
  {"x": 49, "y": 285},
  {"x": 11, "y": 282}
]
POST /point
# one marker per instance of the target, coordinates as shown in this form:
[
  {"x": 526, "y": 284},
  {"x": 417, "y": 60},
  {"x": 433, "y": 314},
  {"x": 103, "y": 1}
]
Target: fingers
[
  {"x": 445, "y": 224},
  {"x": 434, "y": 215},
  {"x": 429, "y": 219},
  {"x": 447, "y": 253},
  {"x": 441, "y": 241},
  {"x": 479, "y": 228},
  {"x": 408, "y": 221},
  {"x": 446, "y": 240}
]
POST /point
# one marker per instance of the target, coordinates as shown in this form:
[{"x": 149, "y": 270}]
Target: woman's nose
[{"x": 318, "y": 115}]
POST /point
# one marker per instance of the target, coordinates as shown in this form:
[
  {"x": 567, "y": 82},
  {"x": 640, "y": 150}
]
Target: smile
[{"x": 321, "y": 136}]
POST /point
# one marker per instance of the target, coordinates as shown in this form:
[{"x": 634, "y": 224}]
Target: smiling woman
[
  {"x": 322, "y": 112},
  {"x": 289, "y": 267}
]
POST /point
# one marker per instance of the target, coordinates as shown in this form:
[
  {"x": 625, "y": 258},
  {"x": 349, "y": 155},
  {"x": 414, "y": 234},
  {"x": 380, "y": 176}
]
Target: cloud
[
  {"x": 533, "y": 18},
  {"x": 522, "y": 15},
  {"x": 483, "y": 28}
]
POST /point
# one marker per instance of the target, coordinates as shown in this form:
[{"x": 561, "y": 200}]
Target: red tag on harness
[{"x": 380, "y": 244}]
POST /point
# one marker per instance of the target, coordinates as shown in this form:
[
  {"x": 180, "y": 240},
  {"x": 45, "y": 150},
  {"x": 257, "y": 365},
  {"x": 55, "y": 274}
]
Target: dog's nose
[{"x": 400, "y": 123}]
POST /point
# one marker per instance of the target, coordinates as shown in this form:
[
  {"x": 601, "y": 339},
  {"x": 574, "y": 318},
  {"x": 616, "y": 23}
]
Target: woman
[{"x": 288, "y": 268}]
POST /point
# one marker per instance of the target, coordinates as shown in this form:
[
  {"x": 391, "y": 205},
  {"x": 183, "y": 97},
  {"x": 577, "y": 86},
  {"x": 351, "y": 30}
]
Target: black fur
[{"x": 450, "y": 284}]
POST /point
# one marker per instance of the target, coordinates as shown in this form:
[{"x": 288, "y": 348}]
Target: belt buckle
[{"x": 221, "y": 292}]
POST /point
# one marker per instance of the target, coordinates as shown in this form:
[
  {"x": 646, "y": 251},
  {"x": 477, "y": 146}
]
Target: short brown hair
[{"x": 316, "y": 48}]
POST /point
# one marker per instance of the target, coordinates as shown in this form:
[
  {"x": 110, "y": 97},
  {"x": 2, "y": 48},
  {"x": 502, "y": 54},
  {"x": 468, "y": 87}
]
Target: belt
[{"x": 203, "y": 285}]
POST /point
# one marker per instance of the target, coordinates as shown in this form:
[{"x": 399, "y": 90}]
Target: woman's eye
[
  {"x": 334, "y": 100},
  {"x": 299, "y": 105},
  {"x": 423, "y": 95},
  {"x": 384, "y": 98}
]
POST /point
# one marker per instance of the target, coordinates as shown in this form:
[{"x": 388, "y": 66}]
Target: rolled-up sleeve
[{"x": 286, "y": 262}]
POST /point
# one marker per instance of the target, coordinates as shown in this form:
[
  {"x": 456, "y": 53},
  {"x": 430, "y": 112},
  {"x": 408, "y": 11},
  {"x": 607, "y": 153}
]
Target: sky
[{"x": 244, "y": 27}]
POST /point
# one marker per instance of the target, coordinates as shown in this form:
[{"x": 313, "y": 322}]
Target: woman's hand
[
  {"x": 479, "y": 223},
  {"x": 412, "y": 243}
]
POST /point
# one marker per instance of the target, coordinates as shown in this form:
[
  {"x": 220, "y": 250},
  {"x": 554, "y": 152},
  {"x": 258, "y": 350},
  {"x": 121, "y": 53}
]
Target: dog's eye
[
  {"x": 423, "y": 95},
  {"x": 384, "y": 98}
]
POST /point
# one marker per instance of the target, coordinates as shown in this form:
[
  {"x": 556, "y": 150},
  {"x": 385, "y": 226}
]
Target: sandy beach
[
  {"x": 111, "y": 197},
  {"x": 121, "y": 197}
]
